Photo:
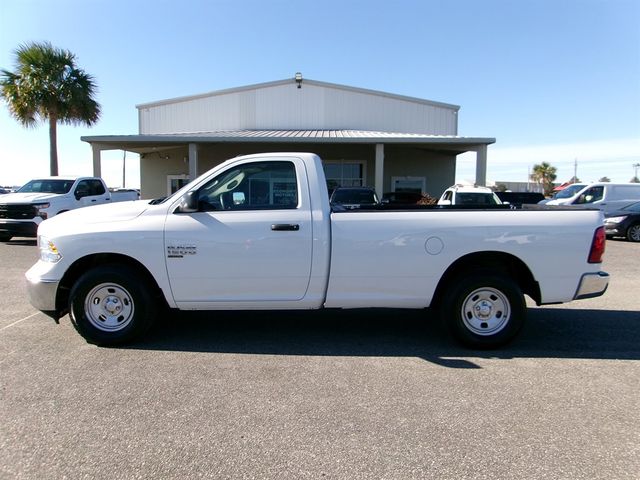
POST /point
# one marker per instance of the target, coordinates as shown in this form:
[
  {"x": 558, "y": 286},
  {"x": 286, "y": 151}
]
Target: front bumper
[
  {"x": 18, "y": 229},
  {"x": 613, "y": 230},
  {"x": 592, "y": 285},
  {"x": 42, "y": 295}
]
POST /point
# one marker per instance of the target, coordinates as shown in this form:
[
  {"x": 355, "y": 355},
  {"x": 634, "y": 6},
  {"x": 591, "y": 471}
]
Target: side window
[
  {"x": 83, "y": 189},
  {"x": 252, "y": 186},
  {"x": 97, "y": 188},
  {"x": 591, "y": 195}
]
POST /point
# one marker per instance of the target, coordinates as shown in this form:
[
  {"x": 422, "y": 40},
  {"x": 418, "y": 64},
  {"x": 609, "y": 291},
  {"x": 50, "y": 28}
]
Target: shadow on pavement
[
  {"x": 23, "y": 242},
  {"x": 549, "y": 333}
]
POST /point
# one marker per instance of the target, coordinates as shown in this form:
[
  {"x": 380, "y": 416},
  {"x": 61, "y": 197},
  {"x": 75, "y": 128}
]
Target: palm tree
[
  {"x": 545, "y": 174},
  {"x": 48, "y": 86}
]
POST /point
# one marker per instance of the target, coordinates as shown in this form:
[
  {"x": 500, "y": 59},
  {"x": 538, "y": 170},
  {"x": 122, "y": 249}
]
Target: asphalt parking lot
[{"x": 336, "y": 395}]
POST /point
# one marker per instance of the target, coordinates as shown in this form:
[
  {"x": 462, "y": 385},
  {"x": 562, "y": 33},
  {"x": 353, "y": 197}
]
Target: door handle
[{"x": 285, "y": 227}]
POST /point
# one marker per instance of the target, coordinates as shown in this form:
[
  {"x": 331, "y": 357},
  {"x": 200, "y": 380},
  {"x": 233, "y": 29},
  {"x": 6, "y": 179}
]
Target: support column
[
  {"x": 481, "y": 165},
  {"x": 97, "y": 160},
  {"x": 193, "y": 161},
  {"x": 379, "y": 182}
]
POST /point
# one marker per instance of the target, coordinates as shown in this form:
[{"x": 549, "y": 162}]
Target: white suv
[{"x": 468, "y": 195}]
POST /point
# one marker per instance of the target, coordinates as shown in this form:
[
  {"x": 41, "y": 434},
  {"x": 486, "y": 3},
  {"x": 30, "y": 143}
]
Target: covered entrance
[{"x": 386, "y": 161}]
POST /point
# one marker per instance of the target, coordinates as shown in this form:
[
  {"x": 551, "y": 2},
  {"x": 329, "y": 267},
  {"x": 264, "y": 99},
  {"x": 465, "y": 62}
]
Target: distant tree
[
  {"x": 48, "y": 86},
  {"x": 544, "y": 174},
  {"x": 635, "y": 180},
  {"x": 605, "y": 179}
]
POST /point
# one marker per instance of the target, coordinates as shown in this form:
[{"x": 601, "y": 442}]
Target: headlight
[
  {"x": 41, "y": 206},
  {"x": 48, "y": 251},
  {"x": 615, "y": 219}
]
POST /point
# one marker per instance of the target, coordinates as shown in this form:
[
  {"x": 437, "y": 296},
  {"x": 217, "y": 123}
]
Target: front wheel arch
[{"x": 84, "y": 264}]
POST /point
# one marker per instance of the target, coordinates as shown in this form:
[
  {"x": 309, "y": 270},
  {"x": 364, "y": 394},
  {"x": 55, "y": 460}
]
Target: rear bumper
[{"x": 592, "y": 285}]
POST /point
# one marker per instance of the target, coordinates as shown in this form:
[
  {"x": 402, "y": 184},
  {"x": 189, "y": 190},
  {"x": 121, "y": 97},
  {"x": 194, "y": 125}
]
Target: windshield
[
  {"x": 570, "y": 191},
  {"x": 47, "y": 186},
  {"x": 467, "y": 198},
  {"x": 363, "y": 197}
]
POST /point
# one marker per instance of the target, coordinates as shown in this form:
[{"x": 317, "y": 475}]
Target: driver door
[{"x": 249, "y": 241}]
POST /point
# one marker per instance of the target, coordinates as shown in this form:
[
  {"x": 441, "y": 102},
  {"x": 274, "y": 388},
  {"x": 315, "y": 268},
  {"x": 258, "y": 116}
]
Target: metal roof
[
  {"x": 293, "y": 136},
  {"x": 305, "y": 81}
]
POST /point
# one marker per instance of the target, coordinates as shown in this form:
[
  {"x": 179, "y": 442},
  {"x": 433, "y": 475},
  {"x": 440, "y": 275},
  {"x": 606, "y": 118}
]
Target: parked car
[
  {"x": 624, "y": 223},
  {"x": 517, "y": 199},
  {"x": 353, "y": 197},
  {"x": 469, "y": 195},
  {"x": 606, "y": 196}
]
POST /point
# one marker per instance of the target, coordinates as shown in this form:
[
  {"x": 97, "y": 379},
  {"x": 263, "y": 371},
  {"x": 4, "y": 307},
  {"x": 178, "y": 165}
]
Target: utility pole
[
  {"x": 575, "y": 170},
  {"x": 635, "y": 169}
]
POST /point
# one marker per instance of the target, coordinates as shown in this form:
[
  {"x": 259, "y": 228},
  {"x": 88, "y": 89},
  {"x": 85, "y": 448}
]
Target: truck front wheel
[
  {"x": 483, "y": 309},
  {"x": 111, "y": 305}
]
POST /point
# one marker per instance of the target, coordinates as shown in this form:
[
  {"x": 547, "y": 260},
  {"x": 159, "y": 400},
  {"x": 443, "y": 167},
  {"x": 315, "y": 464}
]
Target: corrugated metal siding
[{"x": 285, "y": 107}]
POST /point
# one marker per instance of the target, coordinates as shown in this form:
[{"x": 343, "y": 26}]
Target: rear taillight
[{"x": 597, "y": 246}]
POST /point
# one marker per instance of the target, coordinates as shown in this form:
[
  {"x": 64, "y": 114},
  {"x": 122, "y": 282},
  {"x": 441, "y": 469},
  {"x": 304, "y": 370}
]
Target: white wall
[{"x": 286, "y": 107}]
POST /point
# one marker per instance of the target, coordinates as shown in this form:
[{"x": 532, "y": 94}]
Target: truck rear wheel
[
  {"x": 483, "y": 309},
  {"x": 111, "y": 305}
]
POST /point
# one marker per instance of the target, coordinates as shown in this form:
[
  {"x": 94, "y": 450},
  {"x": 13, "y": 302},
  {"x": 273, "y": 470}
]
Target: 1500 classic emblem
[{"x": 179, "y": 251}]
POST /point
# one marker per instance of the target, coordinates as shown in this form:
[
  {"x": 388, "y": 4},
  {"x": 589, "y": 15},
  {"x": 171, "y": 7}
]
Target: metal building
[{"x": 365, "y": 137}]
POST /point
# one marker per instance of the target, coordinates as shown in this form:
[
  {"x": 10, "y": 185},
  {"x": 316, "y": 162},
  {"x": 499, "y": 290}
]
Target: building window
[
  {"x": 408, "y": 184},
  {"x": 176, "y": 182},
  {"x": 344, "y": 173}
]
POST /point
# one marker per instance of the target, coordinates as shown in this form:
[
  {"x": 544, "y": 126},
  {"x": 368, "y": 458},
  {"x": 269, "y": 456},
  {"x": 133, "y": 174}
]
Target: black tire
[
  {"x": 112, "y": 305},
  {"x": 633, "y": 233},
  {"x": 483, "y": 309},
  {"x": 5, "y": 237}
]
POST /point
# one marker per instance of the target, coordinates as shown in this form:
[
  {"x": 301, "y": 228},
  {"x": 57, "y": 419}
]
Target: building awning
[{"x": 147, "y": 143}]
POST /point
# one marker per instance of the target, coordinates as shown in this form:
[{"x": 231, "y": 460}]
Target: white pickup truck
[
  {"x": 21, "y": 212},
  {"x": 257, "y": 232}
]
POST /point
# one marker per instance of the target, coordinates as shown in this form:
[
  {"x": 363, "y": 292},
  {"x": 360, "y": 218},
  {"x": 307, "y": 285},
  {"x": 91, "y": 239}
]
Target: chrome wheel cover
[
  {"x": 486, "y": 311},
  {"x": 109, "y": 307}
]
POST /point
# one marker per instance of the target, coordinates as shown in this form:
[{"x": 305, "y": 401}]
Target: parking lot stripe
[{"x": 18, "y": 321}]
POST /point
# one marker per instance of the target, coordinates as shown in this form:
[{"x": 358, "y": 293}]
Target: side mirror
[{"x": 188, "y": 203}]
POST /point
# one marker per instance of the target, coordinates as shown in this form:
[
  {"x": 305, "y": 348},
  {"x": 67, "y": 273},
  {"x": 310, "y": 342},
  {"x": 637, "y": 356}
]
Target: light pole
[{"x": 635, "y": 169}]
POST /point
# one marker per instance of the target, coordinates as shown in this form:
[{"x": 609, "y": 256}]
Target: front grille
[{"x": 17, "y": 211}]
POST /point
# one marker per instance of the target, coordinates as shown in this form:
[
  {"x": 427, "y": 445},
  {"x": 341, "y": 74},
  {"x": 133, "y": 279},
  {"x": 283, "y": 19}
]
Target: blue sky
[{"x": 552, "y": 81}]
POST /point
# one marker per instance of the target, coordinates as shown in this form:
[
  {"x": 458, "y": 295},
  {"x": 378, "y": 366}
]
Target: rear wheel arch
[{"x": 497, "y": 262}]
